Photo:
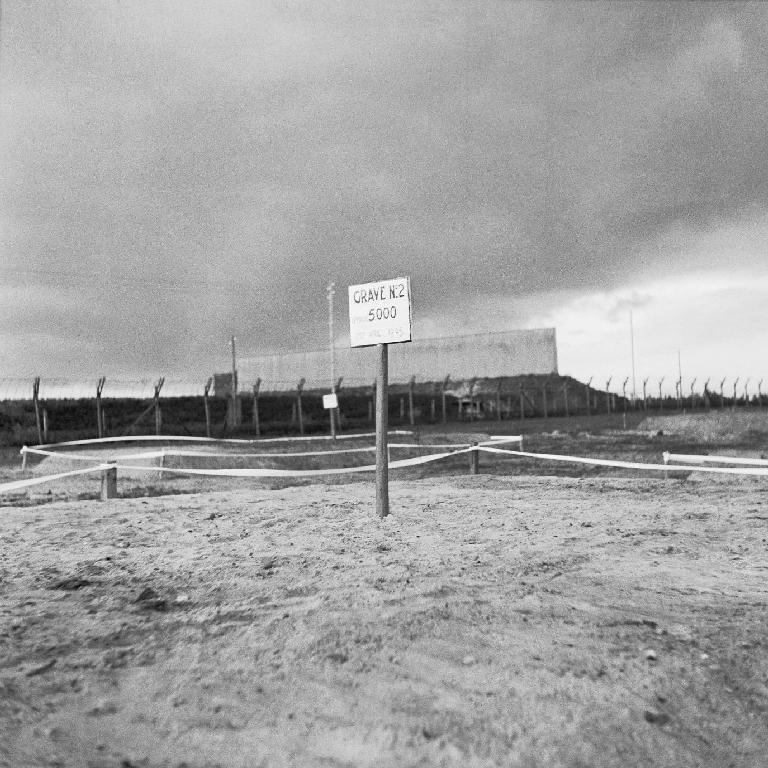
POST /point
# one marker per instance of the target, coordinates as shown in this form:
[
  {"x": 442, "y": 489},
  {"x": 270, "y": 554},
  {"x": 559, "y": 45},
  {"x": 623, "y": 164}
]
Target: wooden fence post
[
  {"x": 370, "y": 402},
  {"x": 207, "y": 407},
  {"x": 255, "y": 415},
  {"x": 337, "y": 409},
  {"x": 45, "y": 425},
  {"x": 158, "y": 413},
  {"x": 109, "y": 482},
  {"x": 608, "y": 394},
  {"x": 99, "y": 412},
  {"x": 588, "y": 396},
  {"x": 645, "y": 395},
  {"x": 299, "y": 388},
  {"x": 661, "y": 399},
  {"x": 36, "y": 401},
  {"x": 474, "y": 460},
  {"x": 472, "y": 398},
  {"x": 411, "y": 385},
  {"x": 733, "y": 404},
  {"x": 445, "y": 386}
]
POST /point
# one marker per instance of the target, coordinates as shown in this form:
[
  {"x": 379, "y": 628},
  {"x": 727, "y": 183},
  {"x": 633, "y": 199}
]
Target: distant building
[{"x": 483, "y": 355}]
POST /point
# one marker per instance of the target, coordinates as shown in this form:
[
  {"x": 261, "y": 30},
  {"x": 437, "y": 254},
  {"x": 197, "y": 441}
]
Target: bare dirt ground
[{"x": 489, "y": 621}]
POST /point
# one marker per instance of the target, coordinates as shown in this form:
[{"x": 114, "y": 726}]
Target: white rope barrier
[
  {"x": 233, "y": 472},
  {"x": 41, "y": 451},
  {"x": 626, "y": 464},
  {"x": 16, "y": 485},
  {"x": 244, "y": 472},
  {"x": 205, "y": 454},
  {"x": 489, "y": 446},
  {"x": 686, "y": 458},
  {"x": 192, "y": 439}
]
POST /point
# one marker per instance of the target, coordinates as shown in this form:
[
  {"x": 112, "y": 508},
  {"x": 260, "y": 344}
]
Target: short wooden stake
[
  {"x": 109, "y": 483},
  {"x": 382, "y": 465},
  {"x": 474, "y": 460}
]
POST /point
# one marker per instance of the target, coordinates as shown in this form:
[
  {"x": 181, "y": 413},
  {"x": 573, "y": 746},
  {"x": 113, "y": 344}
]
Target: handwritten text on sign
[{"x": 380, "y": 313}]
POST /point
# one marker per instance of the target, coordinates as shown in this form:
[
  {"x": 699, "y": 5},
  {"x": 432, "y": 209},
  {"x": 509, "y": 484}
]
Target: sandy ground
[{"x": 489, "y": 621}]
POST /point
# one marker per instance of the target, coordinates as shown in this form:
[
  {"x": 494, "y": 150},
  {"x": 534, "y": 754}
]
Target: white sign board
[
  {"x": 330, "y": 401},
  {"x": 380, "y": 313}
]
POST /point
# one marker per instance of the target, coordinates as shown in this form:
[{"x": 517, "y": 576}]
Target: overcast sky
[{"x": 174, "y": 171}]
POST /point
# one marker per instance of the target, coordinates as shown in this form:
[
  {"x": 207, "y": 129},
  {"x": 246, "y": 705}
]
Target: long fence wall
[
  {"x": 45, "y": 419},
  {"x": 509, "y": 353}
]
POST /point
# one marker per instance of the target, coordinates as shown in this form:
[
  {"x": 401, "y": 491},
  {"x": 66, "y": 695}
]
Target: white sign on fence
[
  {"x": 330, "y": 401},
  {"x": 380, "y": 313}
]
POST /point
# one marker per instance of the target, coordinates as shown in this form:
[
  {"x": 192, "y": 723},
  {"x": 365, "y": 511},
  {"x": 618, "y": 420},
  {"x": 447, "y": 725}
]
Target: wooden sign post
[
  {"x": 382, "y": 423},
  {"x": 379, "y": 315}
]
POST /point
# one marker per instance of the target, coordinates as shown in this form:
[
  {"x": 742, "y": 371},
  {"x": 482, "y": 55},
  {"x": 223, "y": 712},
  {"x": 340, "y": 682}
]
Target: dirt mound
[{"x": 720, "y": 426}]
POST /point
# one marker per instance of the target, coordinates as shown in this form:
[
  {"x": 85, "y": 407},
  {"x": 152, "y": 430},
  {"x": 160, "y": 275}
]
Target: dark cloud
[{"x": 199, "y": 168}]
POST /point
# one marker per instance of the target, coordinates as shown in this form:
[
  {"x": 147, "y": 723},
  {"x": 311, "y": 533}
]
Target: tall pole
[
  {"x": 234, "y": 384},
  {"x": 382, "y": 465},
  {"x": 632, "y": 348},
  {"x": 332, "y": 411}
]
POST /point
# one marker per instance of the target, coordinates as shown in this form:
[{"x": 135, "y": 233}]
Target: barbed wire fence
[{"x": 46, "y": 409}]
